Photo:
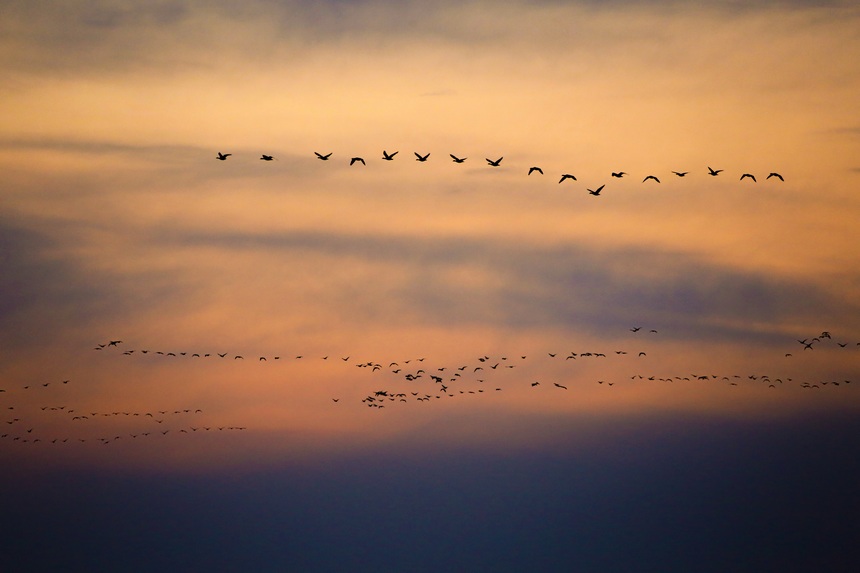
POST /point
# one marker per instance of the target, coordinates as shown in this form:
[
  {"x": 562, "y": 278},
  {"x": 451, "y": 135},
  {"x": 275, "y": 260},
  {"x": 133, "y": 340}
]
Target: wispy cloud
[{"x": 472, "y": 281}]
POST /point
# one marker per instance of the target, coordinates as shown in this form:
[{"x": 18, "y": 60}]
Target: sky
[{"x": 429, "y": 365}]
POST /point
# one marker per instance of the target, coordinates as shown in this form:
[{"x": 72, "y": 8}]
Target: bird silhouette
[
  {"x": 566, "y": 176},
  {"x": 777, "y": 175},
  {"x": 421, "y": 158},
  {"x": 750, "y": 175},
  {"x": 680, "y": 173},
  {"x": 494, "y": 163},
  {"x": 618, "y": 174},
  {"x": 650, "y": 177},
  {"x": 457, "y": 159},
  {"x": 388, "y": 156},
  {"x": 321, "y": 156},
  {"x": 596, "y": 191},
  {"x": 357, "y": 159},
  {"x": 714, "y": 172},
  {"x": 266, "y": 158},
  {"x": 538, "y": 169},
  {"x": 556, "y": 384},
  {"x": 223, "y": 156}
]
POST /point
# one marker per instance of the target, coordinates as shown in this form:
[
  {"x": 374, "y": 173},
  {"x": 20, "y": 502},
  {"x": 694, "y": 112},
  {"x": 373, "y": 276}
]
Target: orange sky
[{"x": 117, "y": 222}]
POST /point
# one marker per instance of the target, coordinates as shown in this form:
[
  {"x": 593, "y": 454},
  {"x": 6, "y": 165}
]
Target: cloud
[
  {"x": 471, "y": 281},
  {"x": 176, "y": 36}
]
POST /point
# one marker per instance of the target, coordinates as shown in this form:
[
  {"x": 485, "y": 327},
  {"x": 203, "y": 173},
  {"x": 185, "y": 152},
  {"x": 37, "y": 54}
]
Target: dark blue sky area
[{"x": 655, "y": 495}]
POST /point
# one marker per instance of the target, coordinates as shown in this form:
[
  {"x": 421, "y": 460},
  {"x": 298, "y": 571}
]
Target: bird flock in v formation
[
  {"x": 395, "y": 383},
  {"x": 386, "y": 156}
]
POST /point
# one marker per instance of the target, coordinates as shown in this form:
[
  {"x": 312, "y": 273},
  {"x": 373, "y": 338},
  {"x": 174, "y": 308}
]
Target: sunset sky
[{"x": 621, "y": 383}]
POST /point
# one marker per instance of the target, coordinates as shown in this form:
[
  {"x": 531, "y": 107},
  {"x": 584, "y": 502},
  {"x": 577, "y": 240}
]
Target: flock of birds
[
  {"x": 386, "y": 156},
  {"x": 482, "y": 375},
  {"x": 415, "y": 379},
  {"x": 24, "y": 423}
]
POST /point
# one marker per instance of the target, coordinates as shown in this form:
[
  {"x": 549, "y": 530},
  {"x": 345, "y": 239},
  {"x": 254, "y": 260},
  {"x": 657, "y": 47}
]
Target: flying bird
[
  {"x": 494, "y": 163},
  {"x": 538, "y": 169},
  {"x": 650, "y": 177},
  {"x": 777, "y": 175},
  {"x": 556, "y": 384},
  {"x": 223, "y": 156},
  {"x": 596, "y": 191},
  {"x": 618, "y": 174},
  {"x": 680, "y": 173},
  {"x": 750, "y": 175},
  {"x": 321, "y": 156},
  {"x": 357, "y": 159},
  {"x": 566, "y": 176},
  {"x": 266, "y": 157},
  {"x": 714, "y": 172},
  {"x": 388, "y": 156},
  {"x": 421, "y": 158},
  {"x": 457, "y": 159}
]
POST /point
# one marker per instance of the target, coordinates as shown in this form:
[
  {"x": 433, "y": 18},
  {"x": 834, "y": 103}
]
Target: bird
[
  {"x": 388, "y": 156},
  {"x": 618, "y": 174},
  {"x": 421, "y": 158},
  {"x": 355, "y": 159},
  {"x": 321, "y": 156},
  {"x": 680, "y": 173},
  {"x": 596, "y": 191},
  {"x": 457, "y": 159},
  {"x": 538, "y": 169},
  {"x": 223, "y": 156},
  {"x": 559, "y": 385},
  {"x": 714, "y": 172},
  {"x": 494, "y": 163},
  {"x": 636, "y": 329},
  {"x": 750, "y": 175},
  {"x": 650, "y": 177},
  {"x": 777, "y": 175},
  {"x": 566, "y": 176},
  {"x": 266, "y": 157}
]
